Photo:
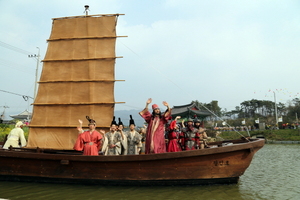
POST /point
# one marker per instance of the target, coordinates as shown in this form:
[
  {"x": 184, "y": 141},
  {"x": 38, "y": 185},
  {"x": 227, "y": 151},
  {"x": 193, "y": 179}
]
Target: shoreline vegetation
[
  {"x": 278, "y": 136},
  {"x": 272, "y": 136}
]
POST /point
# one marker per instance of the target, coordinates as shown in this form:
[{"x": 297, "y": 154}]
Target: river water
[{"x": 273, "y": 174}]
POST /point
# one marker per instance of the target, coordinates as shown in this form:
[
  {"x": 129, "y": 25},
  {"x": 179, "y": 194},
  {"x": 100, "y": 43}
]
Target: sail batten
[
  {"x": 79, "y": 103},
  {"x": 61, "y": 81},
  {"x": 77, "y": 80},
  {"x": 86, "y": 16},
  {"x": 83, "y": 38},
  {"x": 81, "y": 59}
]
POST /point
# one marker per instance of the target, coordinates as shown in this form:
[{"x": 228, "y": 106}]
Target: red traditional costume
[
  {"x": 89, "y": 143},
  {"x": 173, "y": 145},
  {"x": 155, "y": 140}
]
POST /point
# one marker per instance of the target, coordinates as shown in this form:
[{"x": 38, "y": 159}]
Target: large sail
[{"x": 77, "y": 80}]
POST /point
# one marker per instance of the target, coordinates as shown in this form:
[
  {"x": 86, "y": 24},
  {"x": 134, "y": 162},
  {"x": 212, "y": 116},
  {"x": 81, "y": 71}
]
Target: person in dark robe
[
  {"x": 155, "y": 140},
  {"x": 89, "y": 141}
]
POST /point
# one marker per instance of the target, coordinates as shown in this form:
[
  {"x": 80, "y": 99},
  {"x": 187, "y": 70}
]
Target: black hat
[
  {"x": 113, "y": 122},
  {"x": 120, "y": 123},
  {"x": 196, "y": 120},
  {"x": 91, "y": 121},
  {"x": 131, "y": 121}
]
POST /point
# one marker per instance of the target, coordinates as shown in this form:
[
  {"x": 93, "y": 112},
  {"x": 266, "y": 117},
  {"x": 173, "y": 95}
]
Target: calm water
[{"x": 273, "y": 174}]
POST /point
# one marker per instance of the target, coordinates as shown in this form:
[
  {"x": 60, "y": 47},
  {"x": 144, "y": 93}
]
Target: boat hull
[{"x": 220, "y": 165}]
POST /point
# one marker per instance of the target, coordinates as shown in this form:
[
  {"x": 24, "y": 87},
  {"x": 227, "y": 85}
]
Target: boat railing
[{"x": 41, "y": 150}]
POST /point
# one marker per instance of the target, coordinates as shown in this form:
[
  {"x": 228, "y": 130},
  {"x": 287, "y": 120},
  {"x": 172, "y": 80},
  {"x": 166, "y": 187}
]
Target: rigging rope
[
  {"x": 3, "y": 44},
  {"x": 188, "y": 94}
]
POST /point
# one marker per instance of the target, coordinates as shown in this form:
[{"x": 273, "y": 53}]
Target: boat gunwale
[{"x": 251, "y": 146}]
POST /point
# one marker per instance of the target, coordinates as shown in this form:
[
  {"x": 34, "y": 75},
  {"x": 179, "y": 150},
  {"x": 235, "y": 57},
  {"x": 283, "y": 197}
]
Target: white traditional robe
[
  {"x": 133, "y": 142},
  {"x": 13, "y": 138},
  {"x": 112, "y": 138}
]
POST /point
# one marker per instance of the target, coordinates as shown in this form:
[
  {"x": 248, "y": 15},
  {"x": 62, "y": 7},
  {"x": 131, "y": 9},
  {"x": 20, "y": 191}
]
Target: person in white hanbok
[
  {"x": 15, "y": 137},
  {"x": 112, "y": 141},
  {"x": 133, "y": 139},
  {"x": 123, "y": 137}
]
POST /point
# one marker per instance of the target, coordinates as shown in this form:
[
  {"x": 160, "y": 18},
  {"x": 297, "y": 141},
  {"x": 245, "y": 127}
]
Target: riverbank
[
  {"x": 274, "y": 136},
  {"x": 282, "y": 142}
]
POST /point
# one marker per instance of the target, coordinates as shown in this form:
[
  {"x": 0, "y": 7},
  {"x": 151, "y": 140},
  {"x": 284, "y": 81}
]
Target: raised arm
[
  {"x": 168, "y": 112},
  {"x": 146, "y": 107},
  {"x": 80, "y": 130}
]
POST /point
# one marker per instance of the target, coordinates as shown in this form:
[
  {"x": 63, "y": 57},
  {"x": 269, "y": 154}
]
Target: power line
[
  {"x": 12, "y": 64},
  {"x": 25, "y": 97},
  {"x": 8, "y": 46}
]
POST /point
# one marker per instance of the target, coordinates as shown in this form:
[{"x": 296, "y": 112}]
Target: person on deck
[
  {"x": 173, "y": 136},
  {"x": 133, "y": 139},
  {"x": 15, "y": 136},
  {"x": 113, "y": 139},
  {"x": 89, "y": 141},
  {"x": 123, "y": 136},
  {"x": 201, "y": 132},
  {"x": 142, "y": 133},
  {"x": 155, "y": 141},
  {"x": 191, "y": 136}
]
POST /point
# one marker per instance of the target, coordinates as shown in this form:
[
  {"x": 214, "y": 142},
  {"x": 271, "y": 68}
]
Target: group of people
[
  {"x": 157, "y": 137},
  {"x": 115, "y": 142}
]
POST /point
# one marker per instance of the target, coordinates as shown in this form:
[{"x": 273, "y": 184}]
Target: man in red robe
[
  {"x": 89, "y": 141},
  {"x": 155, "y": 140}
]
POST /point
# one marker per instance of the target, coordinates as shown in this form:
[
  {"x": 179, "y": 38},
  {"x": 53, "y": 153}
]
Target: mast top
[{"x": 86, "y": 9}]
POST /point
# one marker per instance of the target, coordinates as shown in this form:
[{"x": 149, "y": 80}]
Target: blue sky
[{"x": 176, "y": 50}]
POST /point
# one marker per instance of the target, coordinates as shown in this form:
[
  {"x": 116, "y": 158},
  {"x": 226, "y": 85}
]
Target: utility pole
[
  {"x": 37, "y": 57},
  {"x": 276, "y": 117}
]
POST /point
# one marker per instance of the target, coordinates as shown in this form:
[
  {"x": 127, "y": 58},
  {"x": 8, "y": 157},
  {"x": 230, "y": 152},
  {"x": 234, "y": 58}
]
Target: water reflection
[{"x": 273, "y": 174}]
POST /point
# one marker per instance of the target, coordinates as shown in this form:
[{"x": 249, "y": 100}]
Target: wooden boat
[
  {"x": 78, "y": 80},
  {"x": 222, "y": 164}
]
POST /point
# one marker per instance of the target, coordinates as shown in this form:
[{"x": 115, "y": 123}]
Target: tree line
[{"x": 253, "y": 109}]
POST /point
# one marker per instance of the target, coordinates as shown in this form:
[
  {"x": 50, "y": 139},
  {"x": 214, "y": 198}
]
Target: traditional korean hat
[
  {"x": 120, "y": 122},
  {"x": 154, "y": 106},
  {"x": 114, "y": 121},
  {"x": 131, "y": 121},
  {"x": 91, "y": 121},
  {"x": 18, "y": 124}
]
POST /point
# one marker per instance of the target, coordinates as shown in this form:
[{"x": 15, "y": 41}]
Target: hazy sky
[{"x": 176, "y": 50}]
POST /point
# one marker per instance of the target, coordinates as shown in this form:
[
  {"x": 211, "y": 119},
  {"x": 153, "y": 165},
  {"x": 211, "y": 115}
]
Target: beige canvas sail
[{"x": 77, "y": 80}]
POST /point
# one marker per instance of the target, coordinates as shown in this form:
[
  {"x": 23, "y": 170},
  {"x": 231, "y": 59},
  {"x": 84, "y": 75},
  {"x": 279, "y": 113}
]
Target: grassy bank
[{"x": 276, "y": 135}]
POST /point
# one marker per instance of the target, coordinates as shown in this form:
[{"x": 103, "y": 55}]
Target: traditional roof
[
  {"x": 189, "y": 111},
  {"x": 23, "y": 115}
]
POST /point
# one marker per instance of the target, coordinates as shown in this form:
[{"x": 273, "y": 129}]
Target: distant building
[
  {"x": 189, "y": 111},
  {"x": 25, "y": 115}
]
